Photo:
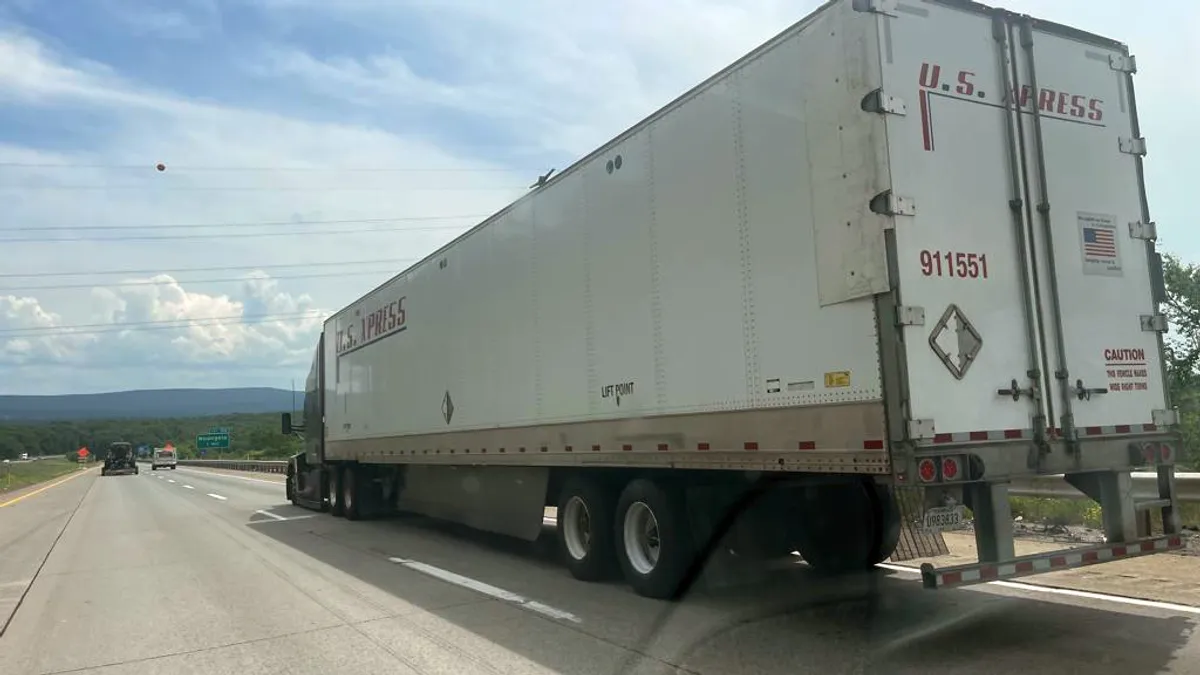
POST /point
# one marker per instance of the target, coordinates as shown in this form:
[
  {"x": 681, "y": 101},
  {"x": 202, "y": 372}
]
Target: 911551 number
[{"x": 954, "y": 264}]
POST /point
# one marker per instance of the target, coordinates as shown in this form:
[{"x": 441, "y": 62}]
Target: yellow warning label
[{"x": 838, "y": 378}]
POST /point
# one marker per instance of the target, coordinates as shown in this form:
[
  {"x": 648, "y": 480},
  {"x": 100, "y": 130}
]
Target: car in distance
[{"x": 164, "y": 458}]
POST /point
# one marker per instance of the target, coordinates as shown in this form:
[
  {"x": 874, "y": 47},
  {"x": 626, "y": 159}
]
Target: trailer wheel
[
  {"x": 653, "y": 537},
  {"x": 887, "y": 514},
  {"x": 838, "y": 527},
  {"x": 336, "y": 505},
  {"x": 289, "y": 485},
  {"x": 351, "y": 477},
  {"x": 585, "y": 529}
]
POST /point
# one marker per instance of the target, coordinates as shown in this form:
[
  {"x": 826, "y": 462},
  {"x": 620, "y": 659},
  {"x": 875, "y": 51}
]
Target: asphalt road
[{"x": 190, "y": 571}]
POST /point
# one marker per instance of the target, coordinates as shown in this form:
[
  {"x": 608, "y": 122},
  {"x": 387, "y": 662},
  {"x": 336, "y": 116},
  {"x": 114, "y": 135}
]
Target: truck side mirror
[{"x": 287, "y": 423}]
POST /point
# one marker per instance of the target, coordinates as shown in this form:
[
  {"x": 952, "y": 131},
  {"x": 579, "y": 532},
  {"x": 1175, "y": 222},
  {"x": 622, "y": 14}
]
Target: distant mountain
[{"x": 147, "y": 403}]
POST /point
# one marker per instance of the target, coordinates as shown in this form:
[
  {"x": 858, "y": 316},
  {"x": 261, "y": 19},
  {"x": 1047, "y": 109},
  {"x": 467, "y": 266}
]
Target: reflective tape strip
[{"x": 1045, "y": 562}]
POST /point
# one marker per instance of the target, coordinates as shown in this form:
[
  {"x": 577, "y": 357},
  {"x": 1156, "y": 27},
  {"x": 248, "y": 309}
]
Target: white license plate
[{"x": 943, "y": 517}]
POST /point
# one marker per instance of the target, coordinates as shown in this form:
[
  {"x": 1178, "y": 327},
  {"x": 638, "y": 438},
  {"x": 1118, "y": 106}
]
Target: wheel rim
[
  {"x": 347, "y": 494},
  {"x": 577, "y": 528},
  {"x": 642, "y": 545}
]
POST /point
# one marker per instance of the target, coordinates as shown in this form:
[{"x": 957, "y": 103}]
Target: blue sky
[{"x": 471, "y": 98}]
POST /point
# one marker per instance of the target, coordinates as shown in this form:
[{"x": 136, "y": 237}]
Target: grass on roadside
[
  {"x": 16, "y": 475},
  {"x": 1079, "y": 511}
]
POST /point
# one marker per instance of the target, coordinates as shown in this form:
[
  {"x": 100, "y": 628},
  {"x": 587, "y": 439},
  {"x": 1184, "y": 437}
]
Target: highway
[{"x": 197, "y": 571}]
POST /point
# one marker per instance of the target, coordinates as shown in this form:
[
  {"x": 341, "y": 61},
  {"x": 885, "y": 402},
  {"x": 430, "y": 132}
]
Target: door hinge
[
  {"x": 1164, "y": 418},
  {"x": 888, "y": 203},
  {"x": 886, "y": 7},
  {"x": 883, "y": 103},
  {"x": 920, "y": 430},
  {"x": 1140, "y": 230},
  {"x": 910, "y": 315},
  {"x": 1154, "y": 323},
  {"x": 1125, "y": 63},
  {"x": 1132, "y": 146}
]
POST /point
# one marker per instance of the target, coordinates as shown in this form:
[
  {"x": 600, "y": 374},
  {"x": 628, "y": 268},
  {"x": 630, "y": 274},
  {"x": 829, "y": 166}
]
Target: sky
[{"x": 313, "y": 149}]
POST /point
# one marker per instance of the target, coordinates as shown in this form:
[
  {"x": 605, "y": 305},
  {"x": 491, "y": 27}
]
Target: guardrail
[
  {"x": 1145, "y": 483},
  {"x": 256, "y": 465}
]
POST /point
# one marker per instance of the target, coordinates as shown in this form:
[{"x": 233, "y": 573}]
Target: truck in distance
[
  {"x": 849, "y": 286},
  {"x": 119, "y": 460}
]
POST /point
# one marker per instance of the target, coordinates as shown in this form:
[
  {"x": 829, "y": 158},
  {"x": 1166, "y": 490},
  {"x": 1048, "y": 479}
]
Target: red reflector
[
  {"x": 951, "y": 578},
  {"x": 702, "y": 446},
  {"x": 1123, "y": 429},
  {"x": 949, "y": 468},
  {"x": 927, "y": 470},
  {"x": 1175, "y": 541},
  {"x": 1119, "y": 551},
  {"x": 1058, "y": 561},
  {"x": 750, "y": 446},
  {"x": 808, "y": 445},
  {"x": 1147, "y": 546},
  {"x": 1025, "y": 566},
  {"x": 627, "y": 448},
  {"x": 989, "y": 572},
  {"x": 978, "y": 435},
  {"x": 1013, "y": 433},
  {"x": 595, "y": 448},
  {"x": 872, "y": 445},
  {"x": 943, "y": 438},
  {"x": 569, "y": 448},
  {"x": 1093, "y": 431},
  {"x": 662, "y": 447},
  {"x": 1090, "y": 556},
  {"x": 1149, "y": 427}
]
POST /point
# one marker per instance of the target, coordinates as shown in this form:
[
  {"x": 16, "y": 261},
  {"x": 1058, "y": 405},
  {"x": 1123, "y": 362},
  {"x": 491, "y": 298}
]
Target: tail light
[
  {"x": 1166, "y": 453},
  {"x": 927, "y": 470},
  {"x": 951, "y": 469}
]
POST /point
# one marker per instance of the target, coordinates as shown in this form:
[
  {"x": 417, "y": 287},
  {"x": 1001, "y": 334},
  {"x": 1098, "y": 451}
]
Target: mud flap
[{"x": 915, "y": 542}]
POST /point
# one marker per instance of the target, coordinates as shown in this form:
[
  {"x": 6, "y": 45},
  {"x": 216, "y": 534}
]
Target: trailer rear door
[
  {"x": 1021, "y": 228},
  {"x": 962, "y": 252}
]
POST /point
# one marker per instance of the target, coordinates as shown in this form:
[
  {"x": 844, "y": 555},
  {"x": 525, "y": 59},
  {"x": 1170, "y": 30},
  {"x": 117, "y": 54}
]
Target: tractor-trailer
[{"x": 846, "y": 289}]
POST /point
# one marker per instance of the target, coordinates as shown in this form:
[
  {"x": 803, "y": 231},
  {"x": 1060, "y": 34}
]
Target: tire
[
  {"x": 837, "y": 527},
  {"x": 351, "y": 506},
  {"x": 154, "y": 467},
  {"x": 335, "y": 491},
  {"x": 289, "y": 486},
  {"x": 585, "y": 530},
  {"x": 650, "y": 513},
  {"x": 887, "y": 513}
]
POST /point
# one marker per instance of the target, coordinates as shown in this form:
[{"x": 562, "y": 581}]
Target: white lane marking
[
  {"x": 170, "y": 480},
  {"x": 229, "y": 475},
  {"x": 487, "y": 589},
  {"x": 278, "y": 518},
  {"x": 189, "y": 487},
  {"x": 1051, "y": 590},
  {"x": 216, "y": 496}
]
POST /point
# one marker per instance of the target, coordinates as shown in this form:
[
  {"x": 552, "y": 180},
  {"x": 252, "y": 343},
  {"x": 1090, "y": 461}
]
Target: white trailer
[{"x": 900, "y": 250}]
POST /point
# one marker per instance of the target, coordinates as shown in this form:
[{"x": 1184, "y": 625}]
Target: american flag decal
[{"x": 1099, "y": 242}]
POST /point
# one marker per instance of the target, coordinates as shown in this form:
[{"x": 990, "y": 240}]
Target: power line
[
  {"x": 234, "y": 235},
  {"x": 269, "y": 223},
  {"x": 150, "y": 282},
  {"x": 272, "y": 169},
  {"x": 277, "y": 188},
  {"x": 224, "y": 268},
  {"x": 186, "y": 322}
]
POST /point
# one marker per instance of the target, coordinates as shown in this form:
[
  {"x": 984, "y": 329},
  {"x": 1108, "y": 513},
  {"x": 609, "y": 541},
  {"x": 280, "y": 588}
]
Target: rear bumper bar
[{"x": 964, "y": 575}]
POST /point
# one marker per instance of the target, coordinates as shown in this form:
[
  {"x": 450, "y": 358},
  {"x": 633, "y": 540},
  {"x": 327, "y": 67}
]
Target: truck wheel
[
  {"x": 837, "y": 529},
  {"x": 336, "y": 506},
  {"x": 153, "y": 467},
  {"x": 653, "y": 538},
  {"x": 585, "y": 530},
  {"x": 289, "y": 485},
  {"x": 351, "y": 477}
]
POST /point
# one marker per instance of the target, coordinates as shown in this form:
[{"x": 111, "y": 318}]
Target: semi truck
[{"x": 832, "y": 300}]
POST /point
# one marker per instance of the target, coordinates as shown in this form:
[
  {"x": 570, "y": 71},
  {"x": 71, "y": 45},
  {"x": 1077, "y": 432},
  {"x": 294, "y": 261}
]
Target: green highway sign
[{"x": 212, "y": 442}]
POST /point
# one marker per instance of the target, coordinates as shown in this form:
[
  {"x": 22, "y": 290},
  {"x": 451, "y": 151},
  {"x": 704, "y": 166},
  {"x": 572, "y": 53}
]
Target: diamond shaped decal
[
  {"x": 955, "y": 341},
  {"x": 447, "y": 407}
]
